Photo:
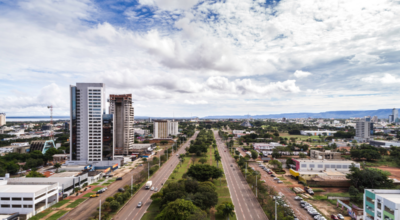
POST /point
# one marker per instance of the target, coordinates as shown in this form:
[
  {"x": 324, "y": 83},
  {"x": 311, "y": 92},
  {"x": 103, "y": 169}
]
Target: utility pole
[
  {"x": 131, "y": 184},
  {"x": 276, "y": 217},
  {"x": 100, "y": 210},
  {"x": 246, "y": 171},
  {"x": 148, "y": 170}
]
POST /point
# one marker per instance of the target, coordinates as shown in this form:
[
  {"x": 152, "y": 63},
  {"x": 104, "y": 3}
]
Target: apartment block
[
  {"x": 2, "y": 119},
  {"x": 123, "y": 111},
  {"x": 381, "y": 204},
  {"x": 363, "y": 130},
  {"x": 163, "y": 129}
]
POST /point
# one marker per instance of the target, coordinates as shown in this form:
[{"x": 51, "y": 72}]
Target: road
[
  {"x": 130, "y": 211},
  {"x": 245, "y": 202},
  {"x": 86, "y": 209}
]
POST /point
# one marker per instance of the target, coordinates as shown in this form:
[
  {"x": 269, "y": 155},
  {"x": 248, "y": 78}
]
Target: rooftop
[
  {"x": 324, "y": 161},
  {"x": 395, "y": 197},
  {"x": 22, "y": 188},
  {"x": 65, "y": 174}
]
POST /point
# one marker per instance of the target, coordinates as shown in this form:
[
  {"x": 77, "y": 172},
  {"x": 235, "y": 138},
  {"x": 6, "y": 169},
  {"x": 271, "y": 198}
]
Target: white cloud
[
  {"x": 386, "y": 79},
  {"x": 196, "y": 102},
  {"x": 170, "y": 4},
  {"x": 301, "y": 74},
  {"x": 364, "y": 59}
]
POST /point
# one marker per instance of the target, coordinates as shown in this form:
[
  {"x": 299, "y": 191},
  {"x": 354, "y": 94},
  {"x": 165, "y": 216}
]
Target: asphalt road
[
  {"x": 86, "y": 209},
  {"x": 130, "y": 211},
  {"x": 245, "y": 202}
]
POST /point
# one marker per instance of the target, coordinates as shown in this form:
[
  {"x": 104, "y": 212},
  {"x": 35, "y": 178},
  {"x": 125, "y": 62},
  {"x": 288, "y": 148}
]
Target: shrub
[{"x": 114, "y": 205}]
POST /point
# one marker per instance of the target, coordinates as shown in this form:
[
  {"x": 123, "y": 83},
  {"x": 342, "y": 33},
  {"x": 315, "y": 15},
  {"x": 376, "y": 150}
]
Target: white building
[
  {"x": 363, "y": 130},
  {"x": 87, "y": 107},
  {"x": 2, "y": 119},
  {"x": 163, "y": 129},
  {"x": 316, "y": 133},
  {"x": 381, "y": 204},
  {"x": 27, "y": 199},
  {"x": 238, "y": 131},
  {"x": 266, "y": 146},
  {"x": 17, "y": 132},
  {"x": 323, "y": 165}
]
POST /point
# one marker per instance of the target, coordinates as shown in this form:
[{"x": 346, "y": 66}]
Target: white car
[
  {"x": 340, "y": 216},
  {"x": 152, "y": 188},
  {"x": 276, "y": 178},
  {"x": 297, "y": 198},
  {"x": 279, "y": 181}
]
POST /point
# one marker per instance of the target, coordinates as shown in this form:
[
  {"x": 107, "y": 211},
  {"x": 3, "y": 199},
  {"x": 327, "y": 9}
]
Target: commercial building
[
  {"x": 363, "y": 130},
  {"x": 322, "y": 165},
  {"x": 238, "y": 131},
  {"x": 395, "y": 115},
  {"x": 163, "y": 129},
  {"x": 41, "y": 145},
  {"x": 381, "y": 204},
  {"x": 266, "y": 146},
  {"x": 327, "y": 155},
  {"x": 27, "y": 198},
  {"x": 385, "y": 144},
  {"x": 121, "y": 108},
  {"x": 48, "y": 127},
  {"x": 2, "y": 119},
  {"x": 316, "y": 133}
]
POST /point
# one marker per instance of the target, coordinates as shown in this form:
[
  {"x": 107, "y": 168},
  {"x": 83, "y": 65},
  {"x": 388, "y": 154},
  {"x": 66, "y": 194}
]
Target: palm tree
[
  {"x": 217, "y": 158},
  {"x": 57, "y": 165}
]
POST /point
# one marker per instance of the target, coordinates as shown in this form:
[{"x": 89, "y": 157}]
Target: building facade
[
  {"x": 323, "y": 165},
  {"x": 87, "y": 106},
  {"x": 121, "y": 107},
  {"x": 363, "y": 130},
  {"x": 316, "y": 133},
  {"x": 381, "y": 204},
  {"x": 163, "y": 129},
  {"x": 2, "y": 119},
  {"x": 328, "y": 155}
]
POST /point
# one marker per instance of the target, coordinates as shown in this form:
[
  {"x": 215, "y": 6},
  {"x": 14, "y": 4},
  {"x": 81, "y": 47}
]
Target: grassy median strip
[
  {"x": 97, "y": 189},
  {"x": 60, "y": 203},
  {"x": 41, "y": 215},
  {"x": 76, "y": 203},
  {"x": 57, "y": 215}
]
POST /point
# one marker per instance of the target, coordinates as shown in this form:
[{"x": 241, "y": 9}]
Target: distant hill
[{"x": 381, "y": 113}]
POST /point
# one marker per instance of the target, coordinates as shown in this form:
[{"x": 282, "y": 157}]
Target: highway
[
  {"x": 245, "y": 202},
  {"x": 130, "y": 211}
]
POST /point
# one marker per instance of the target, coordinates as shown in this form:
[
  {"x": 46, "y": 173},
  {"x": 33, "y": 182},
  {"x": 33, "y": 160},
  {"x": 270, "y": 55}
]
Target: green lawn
[
  {"x": 223, "y": 192},
  {"x": 152, "y": 211},
  {"x": 105, "y": 184},
  {"x": 41, "y": 215},
  {"x": 75, "y": 203},
  {"x": 338, "y": 194},
  {"x": 97, "y": 189},
  {"x": 88, "y": 194},
  {"x": 57, "y": 215},
  {"x": 60, "y": 203}
]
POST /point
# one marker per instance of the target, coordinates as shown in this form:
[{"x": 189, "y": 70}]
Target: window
[
  {"x": 320, "y": 166},
  {"x": 339, "y": 166},
  {"x": 345, "y": 166},
  {"x": 312, "y": 165},
  {"x": 16, "y": 199},
  {"x": 304, "y": 165},
  {"x": 17, "y": 206},
  {"x": 5, "y": 206},
  {"x": 5, "y": 198},
  {"x": 327, "y": 166},
  {"x": 379, "y": 214},
  {"x": 332, "y": 166},
  {"x": 379, "y": 204}
]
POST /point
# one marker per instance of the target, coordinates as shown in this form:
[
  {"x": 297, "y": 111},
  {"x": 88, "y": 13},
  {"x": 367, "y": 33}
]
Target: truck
[{"x": 148, "y": 185}]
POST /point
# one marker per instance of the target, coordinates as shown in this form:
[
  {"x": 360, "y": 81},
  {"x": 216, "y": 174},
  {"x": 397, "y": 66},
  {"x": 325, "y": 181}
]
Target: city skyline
[{"x": 201, "y": 58}]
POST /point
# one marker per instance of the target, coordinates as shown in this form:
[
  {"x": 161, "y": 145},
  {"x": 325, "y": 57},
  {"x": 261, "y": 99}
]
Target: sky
[{"x": 199, "y": 58}]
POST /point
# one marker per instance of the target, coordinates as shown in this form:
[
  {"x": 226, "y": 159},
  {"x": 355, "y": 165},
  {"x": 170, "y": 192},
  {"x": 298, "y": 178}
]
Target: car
[
  {"x": 279, "y": 181},
  {"x": 307, "y": 206},
  {"x": 269, "y": 172},
  {"x": 272, "y": 175},
  {"x": 302, "y": 202},
  {"x": 152, "y": 188},
  {"x": 297, "y": 198},
  {"x": 177, "y": 155},
  {"x": 139, "y": 204},
  {"x": 276, "y": 178},
  {"x": 104, "y": 189},
  {"x": 340, "y": 216},
  {"x": 121, "y": 190},
  {"x": 317, "y": 216},
  {"x": 322, "y": 218},
  {"x": 295, "y": 218},
  {"x": 334, "y": 217},
  {"x": 231, "y": 165},
  {"x": 94, "y": 195},
  {"x": 119, "y": 178},
  {"x": 140, "y": 165},
  {"x": 224, "y": 150},
  {"x": 156, "y": 189},
  {"x": 100, "y": 191}
]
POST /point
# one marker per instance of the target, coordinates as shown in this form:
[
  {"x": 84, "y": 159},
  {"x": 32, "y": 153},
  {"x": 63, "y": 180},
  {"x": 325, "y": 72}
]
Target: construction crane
[{"x": 51, "y": 120}]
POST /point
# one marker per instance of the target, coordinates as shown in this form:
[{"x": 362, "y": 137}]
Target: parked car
[
  {"x": 121, "y": 190},
  {"x": 269, "y": 172},
  {"x": 279, "y": 181},
  {"x": 177, "y": 155},
  {"x": 334, "y": 217},
  {"x": 272, "y": 175},
  {"x": 276, "y": 178},
  {"x": 297, "y": 198},
  {"x": 100, "y": 191},
  {"x": 156, "y": 189},
  {"x": 139, "y": 204},
  {"x": 119, "y": 178},
  {"x": 340, "y": 216},
  {"x": 317, "y": 216},
  {"x": 231, "y": 165}
]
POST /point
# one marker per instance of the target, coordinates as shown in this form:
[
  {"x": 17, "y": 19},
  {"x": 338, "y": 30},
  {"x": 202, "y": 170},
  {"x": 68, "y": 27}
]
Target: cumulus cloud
[
  {"x": 385, "y": 79},
  {"x": 301, "y": 74}
]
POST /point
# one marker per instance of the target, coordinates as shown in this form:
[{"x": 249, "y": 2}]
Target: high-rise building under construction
[{"x": 122, "y": 109}]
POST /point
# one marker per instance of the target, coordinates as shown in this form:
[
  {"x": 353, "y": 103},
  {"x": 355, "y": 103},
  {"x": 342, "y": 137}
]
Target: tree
[
  {"x": 217, "y": 157},
  {"x": 57, "y": 165},
  {"x": 114, "y": 205},
  {"x": 236, "y": 157},
  {"x": 276, "y": 163},
  {"x": 204, "y": 172},
  {"x": 163, "y": 142},
  {"x": 226, "y": 209},
  {"x": 254, "y": 154},
  {"x": 34, "y": 173},
  {"x": 179, "y": 209},
  {"x": 302, "y": 155},
  {"x": 370, "y": 178},
  {"x": 203, "y": 160}
]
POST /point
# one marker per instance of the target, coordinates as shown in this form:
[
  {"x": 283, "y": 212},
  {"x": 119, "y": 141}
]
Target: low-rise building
[
  {"x": 385, "y": 144},
  {"x": 381, "y": 204},
  {"x": 323, "y": 165},
  {"x": 327, "y": 155},
  {"x": 316, "y": 133},
  {"x": 266, "y": 146}
]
